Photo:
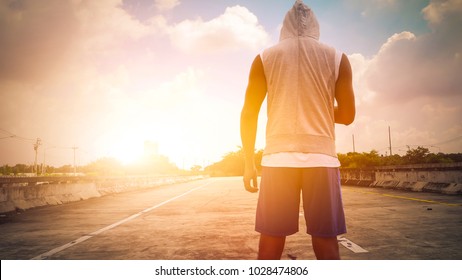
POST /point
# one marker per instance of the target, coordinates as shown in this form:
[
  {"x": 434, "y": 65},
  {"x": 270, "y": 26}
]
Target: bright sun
[{"x": 127, "y": 151}]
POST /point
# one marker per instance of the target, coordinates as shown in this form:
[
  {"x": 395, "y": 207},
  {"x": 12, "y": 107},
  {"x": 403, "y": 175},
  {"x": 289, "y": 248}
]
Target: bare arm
[
  {"x": 344, "y": 94},
  {"x": 254, "y": 96}
]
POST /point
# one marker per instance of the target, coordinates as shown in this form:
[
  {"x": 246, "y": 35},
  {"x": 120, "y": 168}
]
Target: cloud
[
  {"x": 88, "y": 73},
  {"x": 360, "y": 65},
  {"x": 410, "y": 66},
  {"x": 411, "y": 84},
  {"x": 36, "y": 38},
  {"x": 437, "y": 10},
  {"x": 104, "y": 23},
  {"x": 39, "y": 40},
  {"x": 63, "y": 64},
  {"x": 165, "y": 5},
  {"x": 236, "y": 29}
]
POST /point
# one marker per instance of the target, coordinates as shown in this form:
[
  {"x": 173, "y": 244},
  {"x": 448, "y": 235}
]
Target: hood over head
[{"x": 300, "y": 21}]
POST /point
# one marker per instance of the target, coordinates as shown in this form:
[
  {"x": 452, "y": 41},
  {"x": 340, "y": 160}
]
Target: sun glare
[{"x": 127, "y": 152}]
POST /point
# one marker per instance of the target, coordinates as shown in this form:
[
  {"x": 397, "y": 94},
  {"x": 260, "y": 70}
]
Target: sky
[{"x": 105, "y": 76}]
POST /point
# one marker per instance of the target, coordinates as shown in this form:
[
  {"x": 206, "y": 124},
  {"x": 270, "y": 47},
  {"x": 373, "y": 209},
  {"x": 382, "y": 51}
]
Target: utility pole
[
  {"x": 354, "y": 150},
  {"x": 36, "y": 146},
  {"x": 75, "y": 168},
  {"x": 389, "y": 140},
  {"x": 43, "y": 165}
]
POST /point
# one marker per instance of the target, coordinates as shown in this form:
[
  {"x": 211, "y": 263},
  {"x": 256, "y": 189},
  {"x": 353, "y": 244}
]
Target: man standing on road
[{"x": 303, "y": 78}]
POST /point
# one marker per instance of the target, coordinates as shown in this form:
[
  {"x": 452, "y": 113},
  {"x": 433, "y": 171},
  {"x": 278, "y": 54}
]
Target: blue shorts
[{"x": 279, "y": 201}]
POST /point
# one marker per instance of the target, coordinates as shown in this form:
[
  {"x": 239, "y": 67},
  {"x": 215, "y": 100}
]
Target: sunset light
[
  {"x": 106, "y": 76},
  {"x": 230, "y": 139},
  {"x": 126, "y": 152}
]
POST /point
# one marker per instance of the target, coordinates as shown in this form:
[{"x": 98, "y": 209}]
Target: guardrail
[
  {"x": 21, "y": 193},
  {"x": 30, "y": 181},
  {"x": 6, "y": 181},
  {"x": 442, "y": 178}
]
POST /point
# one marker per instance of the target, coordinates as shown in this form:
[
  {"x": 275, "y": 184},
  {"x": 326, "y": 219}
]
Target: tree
[
  {"x": 196, "y": 168},
  {"x": 417, "y": 156},
  {"x": 103, "y": 166},
  {"x": 232, "y": 164},
  {"x": 360, "y": 160},
  {"x": 391, "y": 160},
  {"x": 22, "y": 168},
  {"x": 6, "y": 170}
]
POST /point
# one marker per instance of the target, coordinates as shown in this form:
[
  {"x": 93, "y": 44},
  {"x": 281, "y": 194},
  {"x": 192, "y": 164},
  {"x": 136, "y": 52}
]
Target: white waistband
[{"x": 300, "y": 160}]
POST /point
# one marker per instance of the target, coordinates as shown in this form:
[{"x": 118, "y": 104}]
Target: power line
[
  {"x": 36, "y": 144},
  {"x": 435, "y": 145},
  {"x": 14, "y": 136},
  {"x": 407, "y": 147},
  {"x": 447, "y": 141},
  {"x": 6, "y": 131},
  {"x": 10, "y": 135}
]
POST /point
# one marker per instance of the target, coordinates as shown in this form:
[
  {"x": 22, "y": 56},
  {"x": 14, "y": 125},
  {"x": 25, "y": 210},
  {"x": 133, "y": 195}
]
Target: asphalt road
[{"x": 213, "y": 219}]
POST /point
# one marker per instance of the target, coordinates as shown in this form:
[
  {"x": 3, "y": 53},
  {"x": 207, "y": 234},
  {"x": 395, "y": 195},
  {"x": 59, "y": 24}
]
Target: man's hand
[{"x": 250, "y": 179}]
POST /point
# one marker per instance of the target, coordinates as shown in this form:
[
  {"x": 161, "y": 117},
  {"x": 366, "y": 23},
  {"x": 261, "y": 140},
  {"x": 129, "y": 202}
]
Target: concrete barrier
[
  {"x": 440, "y": 178},
  {"x": 25, "y": 193}
]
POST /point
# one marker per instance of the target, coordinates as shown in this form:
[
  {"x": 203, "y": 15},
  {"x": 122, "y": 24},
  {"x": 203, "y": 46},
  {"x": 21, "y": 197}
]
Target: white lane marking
[
  {"x": 134, "y": 216},
  {"x": 351, "y": 246}
]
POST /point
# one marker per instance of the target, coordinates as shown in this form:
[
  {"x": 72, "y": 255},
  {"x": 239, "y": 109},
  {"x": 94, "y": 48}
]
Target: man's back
[{"x": 301, "y": 75}]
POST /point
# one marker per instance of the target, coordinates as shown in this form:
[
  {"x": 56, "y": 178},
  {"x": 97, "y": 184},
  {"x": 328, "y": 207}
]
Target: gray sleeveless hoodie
[{"x": 300, "y": 73}]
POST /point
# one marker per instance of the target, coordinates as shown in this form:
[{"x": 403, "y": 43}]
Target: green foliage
[
  {"x": 232, "y": 164},
  {"x": 360, "y": 160},
  {"x": 419, "y": 155},
  {"x": 6, "y": 170},
  {"x": 103, "y": 166},
  {"x": 196, "y": 169},
  {"x": 16, "y": 170},
  {"x": 154, "y": 165}
]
